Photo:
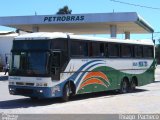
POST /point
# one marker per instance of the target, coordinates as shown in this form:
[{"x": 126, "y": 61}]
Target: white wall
[{"x": 6, "y": 45}]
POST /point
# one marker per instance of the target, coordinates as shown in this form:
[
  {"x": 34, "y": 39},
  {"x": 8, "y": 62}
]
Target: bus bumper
[{"x": 39, "y": 92}]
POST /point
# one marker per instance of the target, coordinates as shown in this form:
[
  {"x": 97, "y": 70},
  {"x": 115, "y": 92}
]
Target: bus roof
[{"x": 53, "y": 35}]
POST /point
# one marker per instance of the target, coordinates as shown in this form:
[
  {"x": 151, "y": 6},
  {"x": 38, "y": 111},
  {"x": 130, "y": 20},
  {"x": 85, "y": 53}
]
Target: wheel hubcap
[
  {"x": 124, "y": 88},
  {"x": 67, "y": 90}
]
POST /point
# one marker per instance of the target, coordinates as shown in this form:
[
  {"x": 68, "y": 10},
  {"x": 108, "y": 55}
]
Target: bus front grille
[
  {"x": 19, "y": 83},
  {"x": 30, "y": 84},
  {"x": 23, "y": 83},
  {"x": 24, "y": 91}
]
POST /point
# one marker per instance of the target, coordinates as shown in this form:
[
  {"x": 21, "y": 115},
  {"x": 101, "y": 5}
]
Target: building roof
[{"x": 97, "y": 23}]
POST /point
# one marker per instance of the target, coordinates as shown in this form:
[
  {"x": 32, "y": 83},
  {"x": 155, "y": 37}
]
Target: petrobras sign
[{"x": 63, "y": 18}]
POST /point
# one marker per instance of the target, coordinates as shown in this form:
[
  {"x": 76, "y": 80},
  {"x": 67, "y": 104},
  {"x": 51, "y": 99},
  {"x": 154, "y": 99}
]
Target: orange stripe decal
[
  {"x": 92, "y": 81},
  {"x": 96, "y": 74}
]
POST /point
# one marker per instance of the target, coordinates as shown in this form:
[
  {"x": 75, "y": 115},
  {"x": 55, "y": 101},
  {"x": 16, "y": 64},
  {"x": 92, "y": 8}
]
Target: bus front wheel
[{"x": 66, "y": 93}]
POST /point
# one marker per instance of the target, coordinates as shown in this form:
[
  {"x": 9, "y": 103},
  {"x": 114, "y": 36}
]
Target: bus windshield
[
  {"x": 29, "y": 63},
  {"x": 30, "y": 58}
]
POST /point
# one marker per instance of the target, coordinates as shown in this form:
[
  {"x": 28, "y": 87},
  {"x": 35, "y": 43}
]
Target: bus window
[
  {"x": 113, "y": 50},
  {"x": 55, "y": 65},
  {"x": 79, "y": 48},
  {"x": 96, "y": 49},
  {"x": 60, "y": 44},
  {"x": 138, "y": 51},
  {"x": 85, "y": 48},
  {"x": 16, "y": 61},
  {"x": 102, "y": 49},
  {"x": 106, "y": 50},
  {"x": 147, "y": 51},
  {"x": 90, "y": 52},
  {"x": 126, "y": 51}
]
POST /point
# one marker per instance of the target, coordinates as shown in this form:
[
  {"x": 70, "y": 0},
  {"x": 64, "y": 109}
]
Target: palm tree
[{"x": 64, "y": 10}]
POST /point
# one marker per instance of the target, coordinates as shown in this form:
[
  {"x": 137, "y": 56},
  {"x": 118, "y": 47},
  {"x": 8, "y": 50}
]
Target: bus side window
[
  {"x": 138, "y": 51},
  {"x": 90, "y": 49},
  {"x": 147, "y": 51},
  {"x": 102, "y": 49},
  {"x": 126, "y": 51},
  {"x": 113, "y": 50},
  {"x": 96, "y": 49},
  {"x": 106, "y": 50},
  {"x": 85, "y": 50},
  {"x": 79, "y": 48}
]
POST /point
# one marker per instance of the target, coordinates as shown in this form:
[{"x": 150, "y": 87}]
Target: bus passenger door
[{"x": 55, "y": 65}]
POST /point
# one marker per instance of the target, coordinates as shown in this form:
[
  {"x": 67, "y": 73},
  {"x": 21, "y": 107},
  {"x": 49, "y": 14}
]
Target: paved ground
[
  {"x": 146, "y": 99},
  {"x": 3, "y": 77}
]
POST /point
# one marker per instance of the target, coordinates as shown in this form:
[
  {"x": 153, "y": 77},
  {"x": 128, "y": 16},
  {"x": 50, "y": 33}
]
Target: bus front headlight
[{"x": 56, "y": 88}]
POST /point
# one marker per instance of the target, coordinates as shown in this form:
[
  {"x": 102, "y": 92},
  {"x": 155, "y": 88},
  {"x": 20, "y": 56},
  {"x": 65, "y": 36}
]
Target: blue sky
[{"x": 47, "y": 7}]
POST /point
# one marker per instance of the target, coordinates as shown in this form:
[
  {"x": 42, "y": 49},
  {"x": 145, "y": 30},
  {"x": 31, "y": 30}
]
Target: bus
[{"x": 49, "y": 65}]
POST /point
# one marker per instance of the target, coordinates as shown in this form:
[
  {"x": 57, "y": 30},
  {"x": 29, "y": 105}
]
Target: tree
[
  {"x": 158, "y": 53},
  {"x": 64, "y": 10}
]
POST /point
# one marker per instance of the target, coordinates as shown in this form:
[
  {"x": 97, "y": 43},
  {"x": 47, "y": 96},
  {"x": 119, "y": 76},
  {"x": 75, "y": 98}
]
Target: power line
[{"x": 135, "y": 5}]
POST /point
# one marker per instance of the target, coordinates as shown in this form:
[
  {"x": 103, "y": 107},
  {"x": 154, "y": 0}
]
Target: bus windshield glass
[
  {"x": 30, "y": 58},
  {"x": 31, "y": 45}
]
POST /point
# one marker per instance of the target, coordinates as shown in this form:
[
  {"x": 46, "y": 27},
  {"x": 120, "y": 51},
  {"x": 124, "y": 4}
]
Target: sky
[{"x": 50, "y": 7}]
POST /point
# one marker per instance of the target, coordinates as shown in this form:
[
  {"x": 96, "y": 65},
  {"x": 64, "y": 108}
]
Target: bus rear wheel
[
  {"x": 124, "y": 86},
  {"x": 132, "y": 86},
  {"x": 66, "y": 93}
]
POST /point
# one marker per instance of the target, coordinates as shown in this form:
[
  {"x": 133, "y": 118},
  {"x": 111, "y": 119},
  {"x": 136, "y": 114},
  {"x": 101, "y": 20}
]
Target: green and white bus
[{"x": 48, "y": 65}]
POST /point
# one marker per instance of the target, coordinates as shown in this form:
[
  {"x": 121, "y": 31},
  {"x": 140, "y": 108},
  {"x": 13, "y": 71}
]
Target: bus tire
[
  {"x": 133, "y": 85},
  {"x": 72, "y": 89},
  {"x": 124, "y": 86},
  {"x": 66, "y": 93}
]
